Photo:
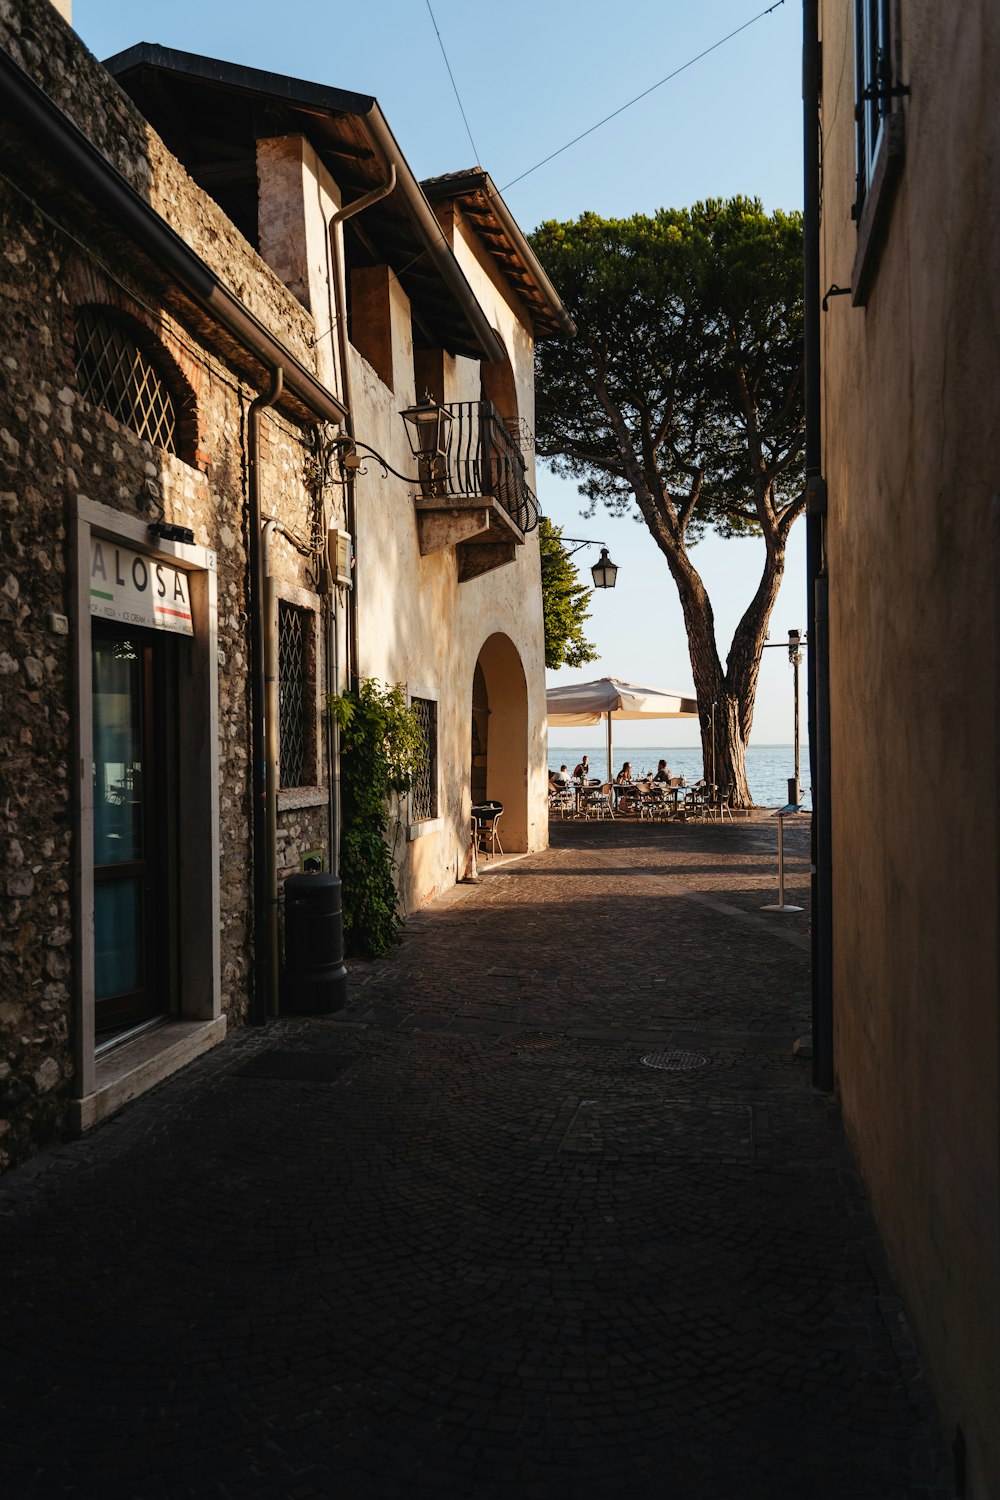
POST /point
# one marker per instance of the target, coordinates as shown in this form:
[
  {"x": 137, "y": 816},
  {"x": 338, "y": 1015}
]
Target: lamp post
[
  {"x": 794, "y": 647},
  {"x": 795, "y": 658}
]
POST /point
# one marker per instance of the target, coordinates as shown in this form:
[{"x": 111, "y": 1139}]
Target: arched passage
[{"x": 500, "y": 736}]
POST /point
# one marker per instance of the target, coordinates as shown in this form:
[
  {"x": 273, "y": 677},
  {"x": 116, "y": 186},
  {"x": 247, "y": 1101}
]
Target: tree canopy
[
  {"x": 564, "y": 602},
  {"x": 682, "y": 394}
]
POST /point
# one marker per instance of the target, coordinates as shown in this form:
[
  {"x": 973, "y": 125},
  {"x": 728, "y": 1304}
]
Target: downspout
[
  {"x": 332, "y": 726},
  {"x": 271, "y": 765},
  {"x": 343, "y": 346},
  {"x": 818, "y": 584},
  {"x": 265, "y": 914}
]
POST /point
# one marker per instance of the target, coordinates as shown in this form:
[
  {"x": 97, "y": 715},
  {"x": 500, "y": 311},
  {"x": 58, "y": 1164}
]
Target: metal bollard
[{"x": 782, "y": 905}]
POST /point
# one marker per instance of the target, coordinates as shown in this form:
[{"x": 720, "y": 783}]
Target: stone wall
[
  {"x": 55, "y": 447},
  {"x": 42, "y": 44}
]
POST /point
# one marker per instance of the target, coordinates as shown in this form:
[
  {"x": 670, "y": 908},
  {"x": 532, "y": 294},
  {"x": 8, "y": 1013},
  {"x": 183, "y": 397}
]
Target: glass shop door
[{"x": 131, "y": 798}]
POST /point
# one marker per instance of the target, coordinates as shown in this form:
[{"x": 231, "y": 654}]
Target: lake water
[{"x": 768, "y": 766}]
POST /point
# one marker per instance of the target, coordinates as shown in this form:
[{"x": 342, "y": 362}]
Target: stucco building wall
[{"x": 911, "y": 430}]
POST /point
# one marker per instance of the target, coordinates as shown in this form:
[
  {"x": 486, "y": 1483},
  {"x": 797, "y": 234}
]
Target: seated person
[
  {"x": 624, "y": 777},
  {"x": 662, "y": 774},
  {"x": 561, "y": 777},
  {"x": 582, "y": 771}
]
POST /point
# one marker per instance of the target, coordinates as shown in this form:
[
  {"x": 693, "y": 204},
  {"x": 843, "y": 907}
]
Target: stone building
[
  {"x": 910, "y": 432},
  {"x": 221, "y": 289}
]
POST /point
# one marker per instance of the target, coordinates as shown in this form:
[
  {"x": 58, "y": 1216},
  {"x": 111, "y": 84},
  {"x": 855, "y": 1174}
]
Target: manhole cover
[
  {"x": 674, "y": 1061},
  {"x": 533, "y": 1039},
  {"x": 296, "y": 1067}
]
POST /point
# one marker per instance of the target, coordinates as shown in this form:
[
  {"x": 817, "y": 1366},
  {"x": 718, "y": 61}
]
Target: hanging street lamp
[{"x": 604, "y": 572}]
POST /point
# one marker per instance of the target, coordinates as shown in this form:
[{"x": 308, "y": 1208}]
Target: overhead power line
[
  {"x": 455, "y": 85},
  {"x": 652, "y": 88}
]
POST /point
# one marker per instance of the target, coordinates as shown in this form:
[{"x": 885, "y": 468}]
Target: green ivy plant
[{"x": 382, "y": 751}]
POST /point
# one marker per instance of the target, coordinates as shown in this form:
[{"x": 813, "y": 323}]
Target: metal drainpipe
[
  {"x": 333, "y": 728},
  {"x": 271, "y": 761},
  {"x": 265, "y": 947},
  {"x": 817, "y": 602},
  {"x": 343, "y": 345}
]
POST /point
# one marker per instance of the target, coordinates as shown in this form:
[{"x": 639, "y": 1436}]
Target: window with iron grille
[
  {"x": 114, "y": 371},
  {"x": 424, "y": 794},
  {"x": 873, "y": 88},
  {"x": 295, "y": 717}
]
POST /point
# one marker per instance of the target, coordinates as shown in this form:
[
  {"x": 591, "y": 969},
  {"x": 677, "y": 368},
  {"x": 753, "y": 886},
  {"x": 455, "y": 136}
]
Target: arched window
[{"x": 119, "y": 367}]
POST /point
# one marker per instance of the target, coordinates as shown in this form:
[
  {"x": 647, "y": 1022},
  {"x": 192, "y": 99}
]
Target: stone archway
[{"x": 500, "y": 736}]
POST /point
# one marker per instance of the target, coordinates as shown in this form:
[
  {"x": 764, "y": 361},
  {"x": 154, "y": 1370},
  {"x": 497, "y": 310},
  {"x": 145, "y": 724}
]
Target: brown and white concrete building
[
  {"x": 220, "y": 289},
  {"x": 910, "y": 429}
]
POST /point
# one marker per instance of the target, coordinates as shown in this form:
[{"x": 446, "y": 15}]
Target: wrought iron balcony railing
[{"x": 484, "y": 459}]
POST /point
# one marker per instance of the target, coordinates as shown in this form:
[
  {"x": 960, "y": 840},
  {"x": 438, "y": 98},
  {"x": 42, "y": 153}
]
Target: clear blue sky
[{"x": 532, "y": 74}]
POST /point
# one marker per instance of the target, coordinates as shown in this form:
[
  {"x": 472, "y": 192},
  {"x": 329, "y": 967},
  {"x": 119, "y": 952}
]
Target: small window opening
[
  {"x": 424, "y": 792},
  {"x": 115, "y": 372},
  {"x": 295, "y": 720}
]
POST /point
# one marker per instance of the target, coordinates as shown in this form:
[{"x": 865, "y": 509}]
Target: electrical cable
[
  {"x": 652, "y": 88},
  {"x": 399, "y": 271},
  {"x": 453, "y": 83}
]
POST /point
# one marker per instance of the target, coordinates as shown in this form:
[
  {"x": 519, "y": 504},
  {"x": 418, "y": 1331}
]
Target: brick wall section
[{"x": 55, "y": 446}]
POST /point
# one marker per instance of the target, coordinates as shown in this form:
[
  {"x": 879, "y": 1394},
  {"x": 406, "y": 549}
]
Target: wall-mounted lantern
[
  {"x": 604, "y": 572},
  {"x": 428, "y": 428}
]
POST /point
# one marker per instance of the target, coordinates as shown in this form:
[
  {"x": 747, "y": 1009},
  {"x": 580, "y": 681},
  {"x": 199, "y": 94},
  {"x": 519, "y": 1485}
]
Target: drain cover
[
  {"x": 296, "y": 1067},
  {"x": 534, "y": 1039},
  {"x": 674, "y": 1061}
]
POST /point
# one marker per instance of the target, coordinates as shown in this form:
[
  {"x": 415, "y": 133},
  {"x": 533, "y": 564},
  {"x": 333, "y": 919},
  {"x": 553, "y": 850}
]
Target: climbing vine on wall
[{"x": 382, "y": 750}]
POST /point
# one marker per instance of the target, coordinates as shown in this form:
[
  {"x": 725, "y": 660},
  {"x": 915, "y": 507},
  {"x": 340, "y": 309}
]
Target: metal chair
[
  {"x": 718, "y": 803},
  {"x": 562, "y": 804},
  {"x": 598, "y": 800},
  {"x": 487, "y": 834}
]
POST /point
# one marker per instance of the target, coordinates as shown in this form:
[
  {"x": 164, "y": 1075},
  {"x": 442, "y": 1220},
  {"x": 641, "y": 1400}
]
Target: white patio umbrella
[{"x": 578, "y": 703}]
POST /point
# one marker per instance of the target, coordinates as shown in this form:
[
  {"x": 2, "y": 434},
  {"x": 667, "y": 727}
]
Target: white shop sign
[{"x": 138, "y": 589}]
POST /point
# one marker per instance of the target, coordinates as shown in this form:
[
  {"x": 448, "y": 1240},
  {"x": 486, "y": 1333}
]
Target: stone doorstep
[{"x": 138, "y": 1066}]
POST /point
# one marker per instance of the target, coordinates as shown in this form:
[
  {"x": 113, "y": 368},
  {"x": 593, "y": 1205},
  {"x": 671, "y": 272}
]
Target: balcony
[{"x": 482, "y": 506}]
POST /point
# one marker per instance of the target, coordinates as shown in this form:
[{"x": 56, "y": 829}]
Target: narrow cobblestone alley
[{"x": 460, "y": 1242}]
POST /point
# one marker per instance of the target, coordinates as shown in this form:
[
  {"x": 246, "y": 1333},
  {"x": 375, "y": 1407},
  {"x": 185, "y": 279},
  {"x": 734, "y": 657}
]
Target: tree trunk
[{"x": 732, "y": 692}]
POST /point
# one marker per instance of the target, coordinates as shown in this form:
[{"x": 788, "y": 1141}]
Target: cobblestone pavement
[{"x": 460, "y": 1242}]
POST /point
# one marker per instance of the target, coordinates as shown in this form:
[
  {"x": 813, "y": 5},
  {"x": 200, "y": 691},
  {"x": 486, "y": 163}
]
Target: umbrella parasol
[{"x": 577, "y": 703}]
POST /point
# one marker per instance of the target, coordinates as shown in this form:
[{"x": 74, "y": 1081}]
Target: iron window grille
[
  {"x": 114, "y": 372},
  {"x": 423, "y": 793},
  {"x": 294, "y": 718}
]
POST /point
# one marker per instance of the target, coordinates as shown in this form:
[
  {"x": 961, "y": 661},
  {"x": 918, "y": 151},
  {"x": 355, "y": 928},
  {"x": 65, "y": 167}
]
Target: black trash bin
[{"x": 313, "y": 980}]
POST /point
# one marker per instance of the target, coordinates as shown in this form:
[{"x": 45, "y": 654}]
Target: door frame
[
  {"x": 156, "y": 995},
  {"x": 199, "y": 988}
]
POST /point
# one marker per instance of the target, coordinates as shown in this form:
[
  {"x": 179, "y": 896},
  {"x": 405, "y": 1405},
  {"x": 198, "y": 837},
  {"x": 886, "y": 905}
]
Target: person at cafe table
[
  {"x": 624, "y": 777},
  {"x": 582, "y": 771},
  {"x": 662, "y": 774}
]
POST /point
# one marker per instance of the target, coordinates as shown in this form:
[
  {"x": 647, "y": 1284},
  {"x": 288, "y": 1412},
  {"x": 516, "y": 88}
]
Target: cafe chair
[
  {"x": 598, "y": 801},
  {"x": 562, "y": 803},
  {"x": 718, "y": 803},
  {"x": 487, "y": 830}
]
